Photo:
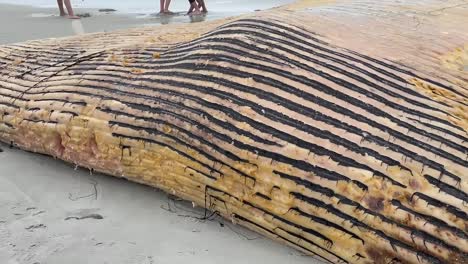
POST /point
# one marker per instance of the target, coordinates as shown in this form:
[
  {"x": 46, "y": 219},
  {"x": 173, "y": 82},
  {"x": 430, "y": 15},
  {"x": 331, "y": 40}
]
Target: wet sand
[
  {"x": 22, "y": 23},
  {"x": 52, "y": 213}
]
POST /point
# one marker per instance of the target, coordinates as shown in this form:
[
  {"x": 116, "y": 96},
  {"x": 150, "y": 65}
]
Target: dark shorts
[{"x": 191, "y": 1}]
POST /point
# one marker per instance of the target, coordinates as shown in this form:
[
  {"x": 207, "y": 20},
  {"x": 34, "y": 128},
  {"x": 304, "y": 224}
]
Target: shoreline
[
  {"x": 148, "y": 7},
  {"x": 31, "y": 23}
]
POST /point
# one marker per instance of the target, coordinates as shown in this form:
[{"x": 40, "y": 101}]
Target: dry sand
[{"x": 51, "y": 213}]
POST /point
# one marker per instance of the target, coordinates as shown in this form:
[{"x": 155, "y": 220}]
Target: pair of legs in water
[
  {"x": 68, "y": 5},
  {"x": 165, "y": 6},
  {"x": 196, "y": 7}
]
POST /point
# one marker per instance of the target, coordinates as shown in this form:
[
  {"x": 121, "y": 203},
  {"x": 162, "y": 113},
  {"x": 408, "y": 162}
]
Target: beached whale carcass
[{"x": 337, "y": 128}]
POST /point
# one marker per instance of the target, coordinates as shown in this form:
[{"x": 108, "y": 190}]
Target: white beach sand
[{"x": 42, "y": 201}]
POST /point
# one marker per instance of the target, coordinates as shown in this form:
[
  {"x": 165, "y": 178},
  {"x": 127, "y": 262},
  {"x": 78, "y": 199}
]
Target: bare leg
[
  {"x": 195, "y": 7},
  {"x": 162, "y": 6},
  {"x": 166, "y": 7},
  {"x": 190, "y": 10},
  {"x": 60, "y": 5},
  {"x": 71, "y": 15},
  {"x": 202, "y": 5}
]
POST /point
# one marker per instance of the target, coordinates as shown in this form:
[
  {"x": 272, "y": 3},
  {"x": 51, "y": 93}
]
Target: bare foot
[
  {"x": 73, "y": 17},
  {"x": 168, "y": 12},
  {"x": 195, "y": 13},
  {"x": 63, "y": 14}
]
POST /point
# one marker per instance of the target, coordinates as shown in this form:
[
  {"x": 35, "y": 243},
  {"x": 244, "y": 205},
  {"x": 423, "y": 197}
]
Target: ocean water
[{"x": 152, "y": 6}]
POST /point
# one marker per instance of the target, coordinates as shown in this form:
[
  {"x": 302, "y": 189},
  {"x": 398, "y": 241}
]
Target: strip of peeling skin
[{"x": 305, "y": 123}]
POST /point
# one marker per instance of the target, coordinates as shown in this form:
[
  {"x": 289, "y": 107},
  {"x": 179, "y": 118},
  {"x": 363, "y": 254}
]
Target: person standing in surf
[
  {"x": 164, "y": 8},
  {"x": 197, "y": 7},
  {"x": 71, "y": 14}
]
